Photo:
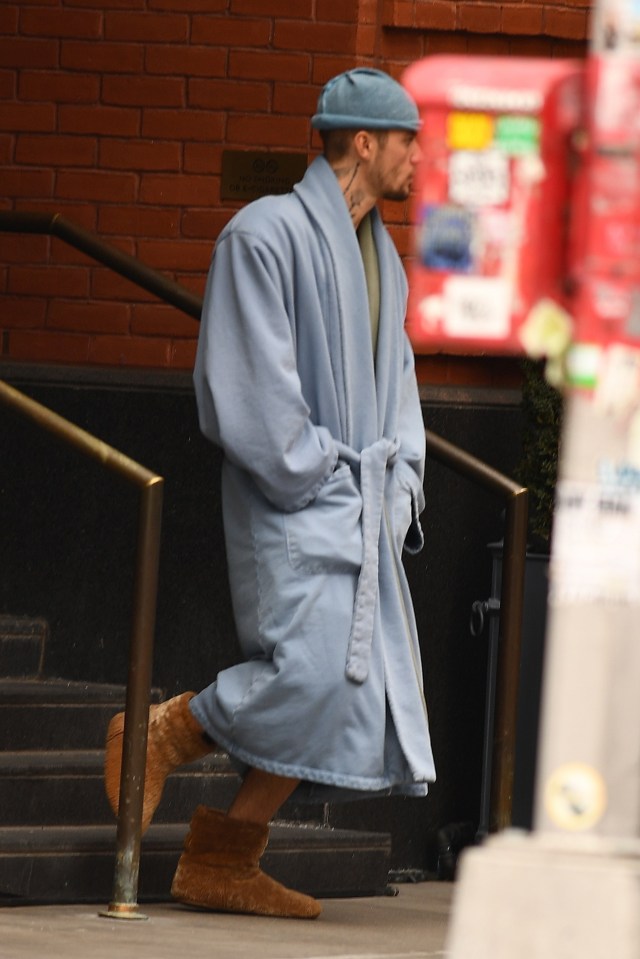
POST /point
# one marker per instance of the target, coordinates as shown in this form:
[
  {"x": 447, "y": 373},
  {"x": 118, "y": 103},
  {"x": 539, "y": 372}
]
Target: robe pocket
[
  {"x": 408, "y": 503},
  {"x": 326, "y": 535}
]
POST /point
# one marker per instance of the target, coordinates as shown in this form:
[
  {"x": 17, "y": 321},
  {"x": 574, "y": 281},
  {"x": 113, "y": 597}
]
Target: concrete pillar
[{"x": 572, "y": 887}]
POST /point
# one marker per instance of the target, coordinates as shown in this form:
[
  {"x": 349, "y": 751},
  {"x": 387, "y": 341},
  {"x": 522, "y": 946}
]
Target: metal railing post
[
  {"x": 509, "y": 652},
  {"x": 512, "y": 597},
  {"x": 123, "y": 903},
  {"x": 124, "y": 900}
]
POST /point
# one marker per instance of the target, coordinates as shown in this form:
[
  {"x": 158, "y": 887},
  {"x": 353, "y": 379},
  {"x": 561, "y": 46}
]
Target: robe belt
[{"x": 373, "y": 463}]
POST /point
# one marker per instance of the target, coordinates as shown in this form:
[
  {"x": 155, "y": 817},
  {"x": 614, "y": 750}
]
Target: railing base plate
[{"x": 122, "y": 910}]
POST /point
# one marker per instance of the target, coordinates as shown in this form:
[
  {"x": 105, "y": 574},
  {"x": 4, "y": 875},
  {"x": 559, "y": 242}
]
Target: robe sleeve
[
  {"x": 247, "y": 386},
  {"x": 412, "y": 451}
]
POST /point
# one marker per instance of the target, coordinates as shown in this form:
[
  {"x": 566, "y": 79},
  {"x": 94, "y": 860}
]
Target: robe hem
[{"x": 308, "y": 774}]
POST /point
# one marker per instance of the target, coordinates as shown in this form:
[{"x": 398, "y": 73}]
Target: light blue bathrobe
[{"x": 322, "y": 487}]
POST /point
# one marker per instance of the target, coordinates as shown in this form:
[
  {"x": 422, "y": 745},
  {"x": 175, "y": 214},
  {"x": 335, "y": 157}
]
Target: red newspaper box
[
  {"x": 491, "y": 197},
  {"x": 606, "y": 211}
]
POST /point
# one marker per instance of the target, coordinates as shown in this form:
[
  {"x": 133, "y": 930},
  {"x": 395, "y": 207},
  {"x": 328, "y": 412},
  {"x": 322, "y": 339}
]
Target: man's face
[{"x": 394, "y": 164}]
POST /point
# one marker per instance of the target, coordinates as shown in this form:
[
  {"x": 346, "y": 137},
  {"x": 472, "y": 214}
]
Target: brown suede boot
[
  {"x": 175, "y": 738},
  {"x": 219, "y": 870}
]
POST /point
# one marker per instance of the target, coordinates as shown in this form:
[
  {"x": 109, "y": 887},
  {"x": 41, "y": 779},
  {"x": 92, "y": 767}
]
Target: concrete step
[
  {"x": 16, "y": 690},
  {"x": 76, "y": 864},
  {"x": 22, "y": 645},
  {"x": 55, "y": 714},
  {"x": 67, "y": 788}
]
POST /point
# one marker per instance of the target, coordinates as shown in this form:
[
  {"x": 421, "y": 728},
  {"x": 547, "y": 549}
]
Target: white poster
[
  {"x": 596, "y": 544},
  {"x": 477, "y": 307},
  {"x": 479, "y": 177}
]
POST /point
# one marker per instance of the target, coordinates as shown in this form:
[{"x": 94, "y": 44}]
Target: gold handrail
[
  {"x": 124, "y": 900},
  {"x": 450, "y": 455}
]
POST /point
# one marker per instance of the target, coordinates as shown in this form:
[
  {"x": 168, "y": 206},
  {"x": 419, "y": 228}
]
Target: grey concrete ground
[{"x": 411, "y": 925}]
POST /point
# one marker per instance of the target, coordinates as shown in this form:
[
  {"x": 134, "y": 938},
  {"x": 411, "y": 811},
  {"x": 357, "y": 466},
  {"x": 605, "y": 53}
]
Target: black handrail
[
  {"x": 515, "y": 528},
  {"x": 87, "y": 242}
]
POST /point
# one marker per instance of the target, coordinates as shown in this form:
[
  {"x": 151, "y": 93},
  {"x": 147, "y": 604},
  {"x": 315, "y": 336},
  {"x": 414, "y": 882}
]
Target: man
[{"x": 305, "y": 378}]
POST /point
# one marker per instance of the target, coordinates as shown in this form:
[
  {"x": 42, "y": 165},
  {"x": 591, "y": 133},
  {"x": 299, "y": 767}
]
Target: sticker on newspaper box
[
  {"x": 446, "y": 238},
  {"x": 518, "y": 135},
  {"x": 477, "y": 307},
  {"x": 469, "y": 131},
  {"x": 479, "y": 178}
]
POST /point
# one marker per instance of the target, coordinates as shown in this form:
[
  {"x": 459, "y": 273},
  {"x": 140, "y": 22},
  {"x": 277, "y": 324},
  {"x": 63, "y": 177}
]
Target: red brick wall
[
  {"x": 115, "y": 113},
  {"x": 536, "y": 18}
]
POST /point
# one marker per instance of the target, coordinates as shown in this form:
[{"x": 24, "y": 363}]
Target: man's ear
[{"x": 363, "y": 143}]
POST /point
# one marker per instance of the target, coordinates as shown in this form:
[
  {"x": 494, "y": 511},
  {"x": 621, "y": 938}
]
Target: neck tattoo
[
  {"x": 353, "y": 176},
  {"x": 355, "y": 200}
]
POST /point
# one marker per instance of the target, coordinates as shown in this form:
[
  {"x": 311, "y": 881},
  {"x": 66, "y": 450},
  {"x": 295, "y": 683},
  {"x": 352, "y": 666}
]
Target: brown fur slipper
[
  {"x": 219, "y": 870},
  {"x": 175, "y": 738}
]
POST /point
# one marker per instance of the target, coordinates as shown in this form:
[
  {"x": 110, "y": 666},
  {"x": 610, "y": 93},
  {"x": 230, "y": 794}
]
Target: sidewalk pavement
[{"x": 411, "y": 925}]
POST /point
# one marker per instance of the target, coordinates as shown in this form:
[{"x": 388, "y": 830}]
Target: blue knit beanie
[{"x": 365, "y": 99}]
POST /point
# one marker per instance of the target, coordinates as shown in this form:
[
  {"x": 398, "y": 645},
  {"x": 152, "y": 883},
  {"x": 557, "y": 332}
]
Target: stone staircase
[{"x": 57, "y": 832}]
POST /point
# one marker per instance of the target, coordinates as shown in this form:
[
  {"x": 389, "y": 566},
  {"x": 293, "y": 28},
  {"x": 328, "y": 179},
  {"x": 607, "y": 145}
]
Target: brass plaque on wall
[{"x": 248, "y": 174}]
